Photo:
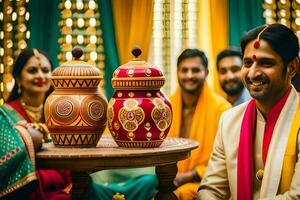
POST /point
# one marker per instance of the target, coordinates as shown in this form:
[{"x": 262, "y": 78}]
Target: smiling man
[
  {"x": 256, "y": 151},
  {"x": 229, "y": 64},
  {"x": 196, "y": 112}
]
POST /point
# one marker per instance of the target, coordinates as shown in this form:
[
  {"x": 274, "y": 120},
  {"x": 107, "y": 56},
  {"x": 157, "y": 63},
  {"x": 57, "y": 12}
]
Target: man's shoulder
[
  {"x": 230, "y": 125},
  {"x": 245, "y": 96},
  {"x": 236, "y": 112}
]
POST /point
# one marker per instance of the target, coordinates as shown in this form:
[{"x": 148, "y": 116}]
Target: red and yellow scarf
[{"x": 245, "y": 163}]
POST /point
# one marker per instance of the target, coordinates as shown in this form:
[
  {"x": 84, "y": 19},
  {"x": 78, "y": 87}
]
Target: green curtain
[
  {"x": 243, "y": 16},
  {"x": 43, "y": 26},
  {"x": 109, "y": 43}
]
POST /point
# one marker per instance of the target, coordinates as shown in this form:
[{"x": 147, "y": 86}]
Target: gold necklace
[{"x": 34, "y": 113}]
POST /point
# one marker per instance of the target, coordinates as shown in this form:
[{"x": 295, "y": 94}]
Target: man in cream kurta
[{"x": 269, "y": 170}]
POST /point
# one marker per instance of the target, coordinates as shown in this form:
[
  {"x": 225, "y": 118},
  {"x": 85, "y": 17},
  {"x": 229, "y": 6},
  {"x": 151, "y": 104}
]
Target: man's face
[
  {"x": 262, "y": 73},
  {"x": 229, "y": 75},
  {"x": 191, "y": 74}
]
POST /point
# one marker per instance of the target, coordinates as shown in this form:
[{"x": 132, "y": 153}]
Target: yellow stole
[
  {"x": 290, "y": 156},
  {"x": 204, "y": 126}
]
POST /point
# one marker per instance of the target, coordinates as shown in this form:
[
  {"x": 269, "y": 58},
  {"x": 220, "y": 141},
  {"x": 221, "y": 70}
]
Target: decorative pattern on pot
[
  {"x": 76, "y": 111},
  {"x": 139, "y": 114}
]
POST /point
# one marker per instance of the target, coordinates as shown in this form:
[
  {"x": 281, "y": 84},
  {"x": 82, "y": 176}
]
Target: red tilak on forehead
[
  {"x": 254, "y": 57},
  {"x": 256, "y": 44}
]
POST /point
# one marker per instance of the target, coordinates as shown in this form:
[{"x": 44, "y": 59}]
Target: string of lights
[
  {"x": 14, "y": 36},
  {"x": 80, "y": 26},
  {"x": 286, "y": 12},
  {"x": 174, "y": 28}
]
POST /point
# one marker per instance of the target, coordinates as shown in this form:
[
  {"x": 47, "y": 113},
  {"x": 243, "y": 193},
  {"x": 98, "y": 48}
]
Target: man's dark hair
[
  {"x": 280, "y": 38},
  {"x": 228, "y": 53},
  {"x": 190, "y": 53}
]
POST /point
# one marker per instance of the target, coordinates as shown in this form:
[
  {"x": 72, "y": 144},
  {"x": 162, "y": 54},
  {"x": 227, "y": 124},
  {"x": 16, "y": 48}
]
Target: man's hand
[
  {"x": 41, "y": 128},
  {"x": 37, "y": 138},
  {"x": 186, "y": 177},
  {"x": 38, "y": 132}
]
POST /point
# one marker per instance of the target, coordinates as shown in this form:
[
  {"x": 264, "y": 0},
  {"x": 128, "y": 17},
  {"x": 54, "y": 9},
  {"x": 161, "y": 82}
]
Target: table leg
[
  {"x": 80, "y": 181},
  {"x": 166, "y": 175}
]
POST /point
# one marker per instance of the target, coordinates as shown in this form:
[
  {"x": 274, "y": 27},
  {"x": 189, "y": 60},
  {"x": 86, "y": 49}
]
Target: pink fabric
[
  {"x": 245, "y": 154},
  {"x": 271, "y": 122},
  {"x": 245, "y": 161},
  {"x": 51, "y": 185}
]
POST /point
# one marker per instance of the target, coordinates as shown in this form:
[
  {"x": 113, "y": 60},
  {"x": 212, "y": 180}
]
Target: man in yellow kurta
[{"x": 196, "y": 112}]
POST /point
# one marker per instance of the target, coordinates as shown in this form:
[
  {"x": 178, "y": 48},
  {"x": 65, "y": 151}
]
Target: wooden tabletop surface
[{"x": 107, "y": 154}]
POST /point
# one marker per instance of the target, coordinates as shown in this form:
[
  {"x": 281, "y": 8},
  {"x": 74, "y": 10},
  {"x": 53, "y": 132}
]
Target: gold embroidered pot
[
  {"x": 75, "y": 112},
  {"x": 139, "y": 114}
]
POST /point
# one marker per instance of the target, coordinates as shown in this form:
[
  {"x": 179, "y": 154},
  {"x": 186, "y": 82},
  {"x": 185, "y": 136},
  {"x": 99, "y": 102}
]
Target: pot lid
[
  {"x": 137, "y": 74},
  {"x": 76, "y": 67}
]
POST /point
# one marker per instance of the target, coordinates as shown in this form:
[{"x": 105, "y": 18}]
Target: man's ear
[
  {"x": 293, "y": 68},
  {"x": 206, "y": 71}
]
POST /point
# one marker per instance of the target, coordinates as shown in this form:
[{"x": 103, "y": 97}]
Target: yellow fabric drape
[
  {"x": 204, "y": 127},
  {"x": 213, "y": 34},
  {"x": 188, "y": 191},
  {"x": 133, "y": 26},
  {"x": 290, "y": 156}
]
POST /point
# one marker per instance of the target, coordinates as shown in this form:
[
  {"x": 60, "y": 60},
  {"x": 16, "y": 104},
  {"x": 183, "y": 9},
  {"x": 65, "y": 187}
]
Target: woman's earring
[{"x": 19, "y": 89}]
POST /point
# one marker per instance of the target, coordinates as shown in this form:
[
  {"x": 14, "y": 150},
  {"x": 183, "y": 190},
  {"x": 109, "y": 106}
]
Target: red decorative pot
[
  {"x": 139, "y": 114},
  {"x": 75, "y": 112}
]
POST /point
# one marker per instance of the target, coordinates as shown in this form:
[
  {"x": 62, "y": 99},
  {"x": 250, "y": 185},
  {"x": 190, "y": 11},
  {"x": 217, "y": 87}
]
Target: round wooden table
[{"x": 107, "y": 155}]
